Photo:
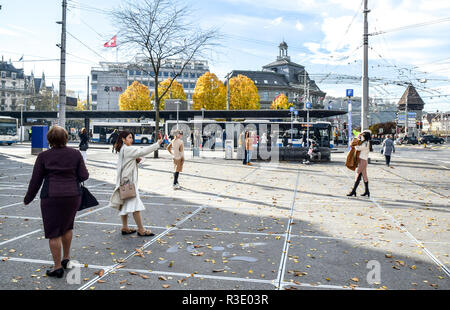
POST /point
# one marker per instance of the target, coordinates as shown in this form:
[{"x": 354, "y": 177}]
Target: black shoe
[
  {"x": 65, "y": 262},
  {"x": 355, "y": 186},
  {"x": 366, "y": 193},
  {"x": 59, "y": 273}
]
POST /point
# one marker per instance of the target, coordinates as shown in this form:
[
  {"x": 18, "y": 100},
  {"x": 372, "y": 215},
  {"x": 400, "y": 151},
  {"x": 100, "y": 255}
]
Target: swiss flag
[{"x": 111, "y": 43}]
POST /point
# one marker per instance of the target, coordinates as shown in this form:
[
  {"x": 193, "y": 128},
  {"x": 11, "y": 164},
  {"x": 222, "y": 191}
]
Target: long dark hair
[{"x": 119, "y": 142}]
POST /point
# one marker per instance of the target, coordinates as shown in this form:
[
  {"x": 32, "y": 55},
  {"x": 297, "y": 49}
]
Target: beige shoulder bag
[{"x": 127, "y": 189}]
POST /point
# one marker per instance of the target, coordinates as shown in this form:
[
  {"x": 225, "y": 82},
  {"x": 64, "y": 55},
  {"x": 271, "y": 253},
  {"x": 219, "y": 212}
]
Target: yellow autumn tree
[
  {"x": 243, "y": 94},
  {"x": 135, "y": 98},
  {"x": 176, "y": 91},
  {"x": 81, "y": 105},
  {"x": 209, "y": 93},
  {"x": 281, "y": 103}
]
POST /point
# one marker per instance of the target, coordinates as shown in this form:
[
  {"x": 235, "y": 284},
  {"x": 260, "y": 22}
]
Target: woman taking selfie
[
  {"x": 127, "y": 173},
  {"x": 363, "y": 146}
]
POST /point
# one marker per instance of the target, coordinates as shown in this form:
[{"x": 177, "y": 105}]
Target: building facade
[
  {"x": 284, "y": 76},
  {"x": 18, "y": 89},
  {"x": 12, "y": 87},
  {"x": 112, "y": 79}
]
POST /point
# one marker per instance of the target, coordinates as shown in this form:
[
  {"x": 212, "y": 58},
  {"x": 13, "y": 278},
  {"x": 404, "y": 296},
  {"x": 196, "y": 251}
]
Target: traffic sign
[
  {"x": 308, "y": 105},
  {"x": 349, "y": 92},
  {"x": 291, "y": 109},
  {"x": 295, "y": 112}
]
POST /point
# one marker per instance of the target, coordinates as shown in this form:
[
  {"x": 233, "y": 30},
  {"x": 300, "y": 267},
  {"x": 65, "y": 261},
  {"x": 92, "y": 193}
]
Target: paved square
[{"x": 270, "y": 226}]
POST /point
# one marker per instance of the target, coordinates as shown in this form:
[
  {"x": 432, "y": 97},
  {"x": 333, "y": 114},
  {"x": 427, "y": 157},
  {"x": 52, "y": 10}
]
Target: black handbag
[{"x": 87, "y": 199}]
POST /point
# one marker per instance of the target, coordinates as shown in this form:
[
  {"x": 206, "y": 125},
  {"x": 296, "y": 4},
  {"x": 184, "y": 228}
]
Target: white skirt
[{"x": 132, "y": 205}]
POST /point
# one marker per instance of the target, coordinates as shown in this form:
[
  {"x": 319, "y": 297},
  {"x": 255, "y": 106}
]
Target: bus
[
  {"x": 101, "y": 131},
  {"x": 295, "y": 131},
  {"x": 9, "y": 132}
]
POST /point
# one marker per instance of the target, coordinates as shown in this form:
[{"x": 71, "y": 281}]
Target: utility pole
[
  {"x": 304, "y": 90},
  {"x": 365, "y": 80},
  {"x": 88, "y": 105},
  {"x": 62, "y": 79}
]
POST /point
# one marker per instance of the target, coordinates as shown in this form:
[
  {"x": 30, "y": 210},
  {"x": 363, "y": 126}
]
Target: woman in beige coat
[
  {"x": 177, "y": 146},
  {"x": 127, "y": 168}
]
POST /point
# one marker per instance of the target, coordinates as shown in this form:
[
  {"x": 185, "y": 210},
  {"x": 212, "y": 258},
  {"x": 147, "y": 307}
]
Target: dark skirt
[{"x": 58, "y": 215}]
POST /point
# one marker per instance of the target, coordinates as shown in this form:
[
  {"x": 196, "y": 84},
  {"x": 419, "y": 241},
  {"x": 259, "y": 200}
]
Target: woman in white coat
[{"x": 127, "y": 168}]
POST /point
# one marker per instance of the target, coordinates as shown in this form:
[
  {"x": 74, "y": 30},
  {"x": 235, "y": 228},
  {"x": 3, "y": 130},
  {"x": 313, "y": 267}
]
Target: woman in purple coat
[{"x": 61, "y": 169}]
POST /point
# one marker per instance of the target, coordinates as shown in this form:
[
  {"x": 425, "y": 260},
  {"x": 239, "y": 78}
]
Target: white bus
[
  {"x": 101, "y": 131},
  {"x": 9, "y": 132}
]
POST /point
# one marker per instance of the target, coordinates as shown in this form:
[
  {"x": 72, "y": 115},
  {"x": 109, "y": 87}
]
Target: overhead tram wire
[
  {"x": 86, "y": 45},
  {"x": 442, "y": 20}
]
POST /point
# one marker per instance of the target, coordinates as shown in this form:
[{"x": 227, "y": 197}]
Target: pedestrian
[
  {"x": 224, "y": 137},
  {"x": 84, "y": 142},
  {"x": 113, "y": 138},
  {"x": 248, "y": 147},
  {"x": 61, "y": 168},
  {"x": 127, "y": 170},
  {"x": 242, "y": 138},
  {"x": 177, "y": 146},
  {"x": 314, "y": 151},
  {"x": 285, "y": 139},
  {"x": 387, "y": 149},
  {"x": 363, "y": 146}
]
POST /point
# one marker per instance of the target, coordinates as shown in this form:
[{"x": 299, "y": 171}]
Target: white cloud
[
  {"x": 8, "y": 32},
  {"x": 275, "y": 22},
  {"x": 299, "y": 26}
]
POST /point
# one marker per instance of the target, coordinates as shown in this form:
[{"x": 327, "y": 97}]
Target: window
[
  {"x": 152, "y": 84},
  {"x": 14, "y": 84},
  {"x": 130, "y": 72},
  {"x": 166, "y": 74},
  {"x": 275, "y": 82},
  {"x": 3, "y": 84},
  {"x": 172, "y": 74},
  {"x": 138, "y": 72},
  {"x": 13, "y": 75},
  {"x": 192, "y": 75},
  {"x": 192, "y": 85},
  {"x": 186, "y": 75},
  {"x": 185, "y": 85},
  {"x": 265, "y": 82},
  {"x": 159, "y": 73},
  {"x": 94, "y": 86},
  {"x": 94, "y": 97},
  {"x": 256, "y": 81},
  {"x": 266, "y": 95},
  {"x": 94, "y": 77},
  {"x": 3, "y": 74}
]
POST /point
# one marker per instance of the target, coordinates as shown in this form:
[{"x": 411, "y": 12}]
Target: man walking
[
  {"x": 388, "y": 149},
  {"x": 177, "y": 146}
]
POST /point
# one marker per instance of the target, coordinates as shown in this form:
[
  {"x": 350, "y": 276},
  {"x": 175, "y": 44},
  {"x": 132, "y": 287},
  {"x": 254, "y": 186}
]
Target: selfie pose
[
  {"x": 125, "y": 197},
  {"x": 362, "y": 146}
]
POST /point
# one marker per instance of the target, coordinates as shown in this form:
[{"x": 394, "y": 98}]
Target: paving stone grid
[{"x": 270, "y": 226}]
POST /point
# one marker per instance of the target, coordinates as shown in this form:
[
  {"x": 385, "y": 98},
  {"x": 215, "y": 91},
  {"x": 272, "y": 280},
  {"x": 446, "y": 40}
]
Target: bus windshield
[{"x": 8, "y": 128}]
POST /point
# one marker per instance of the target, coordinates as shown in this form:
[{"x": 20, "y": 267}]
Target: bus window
[
  {"x": 147, "y": 130},
  {"x": 96, "y": 129}
]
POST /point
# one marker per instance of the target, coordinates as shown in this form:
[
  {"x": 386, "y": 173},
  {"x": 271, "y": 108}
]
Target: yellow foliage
[
  {"x": 281, "y": 103},
  {"x": 209, "y": 93},
  {"x": 176, "y": 91},
  {"x": 243, "y": 94},
  {"x": 81, "y": 105},
  {"x": 135, "y": 98}
]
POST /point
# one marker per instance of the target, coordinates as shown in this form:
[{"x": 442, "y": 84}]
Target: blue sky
[{"x": 323, "y": 35}]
